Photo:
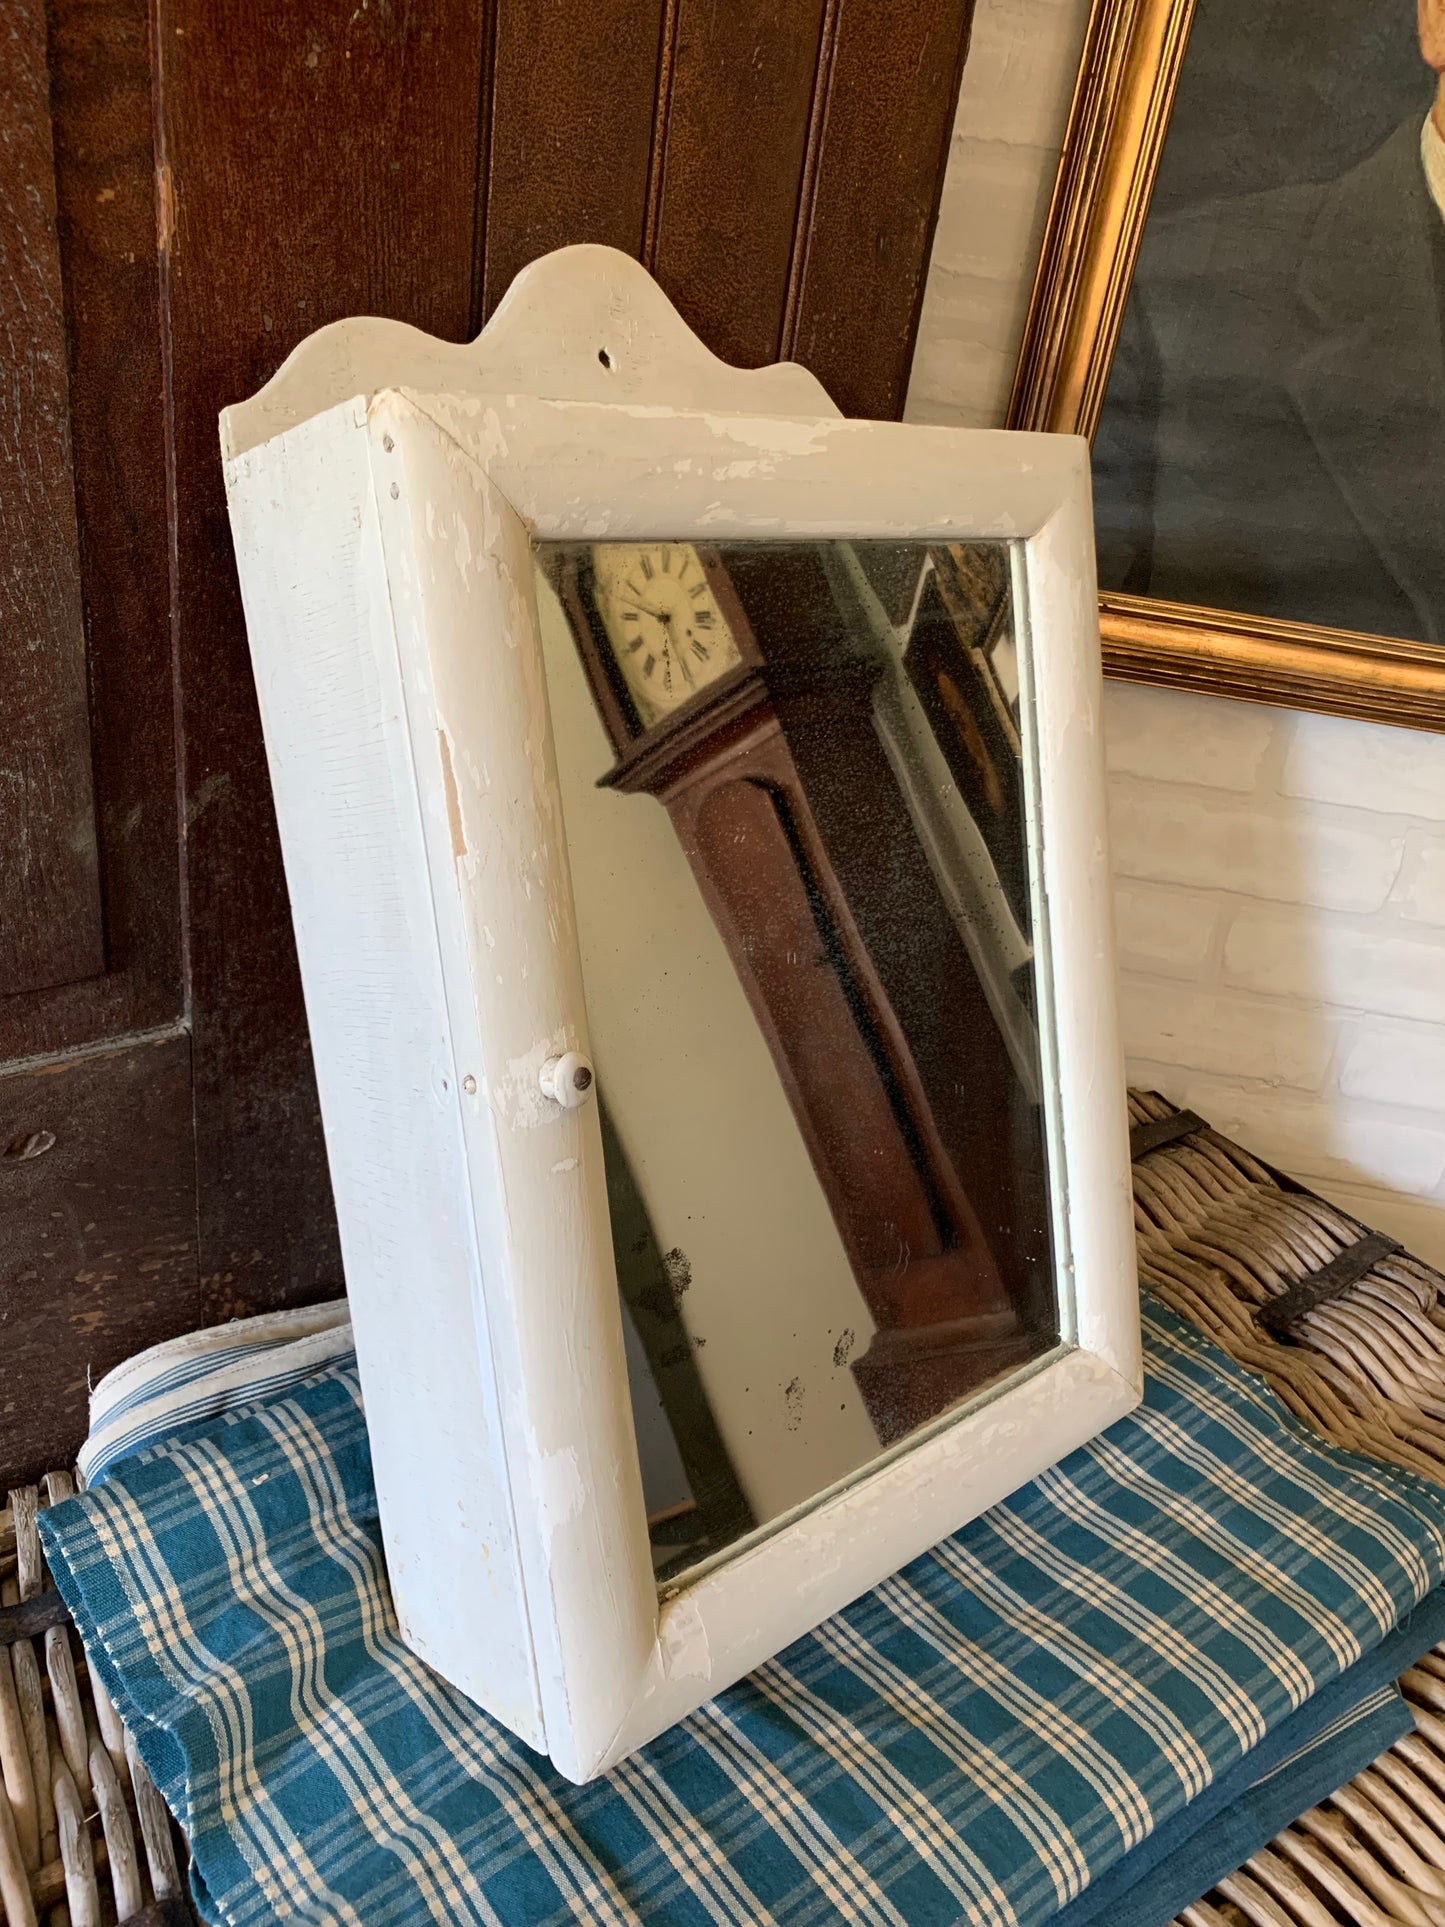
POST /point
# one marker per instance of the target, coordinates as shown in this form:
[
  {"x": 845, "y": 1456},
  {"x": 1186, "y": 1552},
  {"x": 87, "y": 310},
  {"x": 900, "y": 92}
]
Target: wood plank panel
[
  {"x": 731, "y": 174},
  {"x": 316, "y": 162},
  {"x": 888, "y": 94},
  {"x": 50, "y": 918},
  {"x": 105, "y": 181},
  {"x": 573, "y": 104},
  {"x": 97, "y": 1234}
]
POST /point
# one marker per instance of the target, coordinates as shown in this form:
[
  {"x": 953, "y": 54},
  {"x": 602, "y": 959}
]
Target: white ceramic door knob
[{"x": 567, "y": 1080}]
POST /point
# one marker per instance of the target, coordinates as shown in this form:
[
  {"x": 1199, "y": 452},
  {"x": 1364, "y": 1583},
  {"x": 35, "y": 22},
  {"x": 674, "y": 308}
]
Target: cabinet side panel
[
  {"x": 461, "y": 572},
  {"x": 327, "y": 676}
]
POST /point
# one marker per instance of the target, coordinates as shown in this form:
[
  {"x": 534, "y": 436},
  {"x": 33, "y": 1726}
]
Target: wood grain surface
[
  {"x": 272, "y": 232},
  {"x": 100, "y": 99},
  {"x": 573, "y": 104},
  {"x": 866, "y": 226},
  {"x": 97, "y": 1234},
  {"x": 730, "y": 176},
  {"x": 50, "y": 929}
]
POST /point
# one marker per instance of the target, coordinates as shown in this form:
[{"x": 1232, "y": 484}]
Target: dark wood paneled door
[{"x": 187, "y": 188}]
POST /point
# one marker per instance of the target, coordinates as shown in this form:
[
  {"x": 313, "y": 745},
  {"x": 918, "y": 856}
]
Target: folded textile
[
  {"x": 1225, "y": 1843},
  {"x": 976, "y": 1740},
  {"x": 181, "y": 1384},
  {"x": 161, "y": 1392},
  {"x": 1345, "y": 1726}
]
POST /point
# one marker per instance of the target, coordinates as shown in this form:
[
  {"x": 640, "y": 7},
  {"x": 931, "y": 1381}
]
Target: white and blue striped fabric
[
  {"x": 973, "y": 1742},
  {"x": 158, "y": 1393}
]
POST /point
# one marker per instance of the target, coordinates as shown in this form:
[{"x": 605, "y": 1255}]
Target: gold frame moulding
[{"x": 1132, "y": 58}]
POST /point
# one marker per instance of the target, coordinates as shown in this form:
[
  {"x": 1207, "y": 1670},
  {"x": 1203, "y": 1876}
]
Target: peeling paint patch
[
  {"x": 682, "y": 1639},
  {"x": 776, "y": 434},
  {"x": 677, "y": 1269},
  {"x": 517, "y": 1097},
  {"x": 759, "y": 468},
  {"x": 454, "y": 802},
  {"x": 561, "y": 1491}
]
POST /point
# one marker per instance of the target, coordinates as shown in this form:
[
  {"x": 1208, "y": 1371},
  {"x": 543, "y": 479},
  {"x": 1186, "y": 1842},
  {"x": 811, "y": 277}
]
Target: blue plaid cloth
[
  {"x": 972, "y": 1742},
  {"x": 1256, "y": 1815}
]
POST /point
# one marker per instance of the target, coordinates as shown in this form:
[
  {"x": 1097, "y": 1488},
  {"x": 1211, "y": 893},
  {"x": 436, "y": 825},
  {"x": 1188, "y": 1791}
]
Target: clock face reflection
[{"x": 668, "y": 635}]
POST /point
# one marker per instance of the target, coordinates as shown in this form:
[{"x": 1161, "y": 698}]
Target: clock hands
[
  {"x": 668, "y": 636},
  {"x": 669, "y": 654}
]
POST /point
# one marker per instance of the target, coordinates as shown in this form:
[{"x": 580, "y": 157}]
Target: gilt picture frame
[
  {"x": 389, "y": 496},
  {"x": 1135, "y": 61}
]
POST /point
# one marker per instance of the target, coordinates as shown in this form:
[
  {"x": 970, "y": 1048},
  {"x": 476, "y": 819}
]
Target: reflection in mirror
[{"x": 794, "y": 792}]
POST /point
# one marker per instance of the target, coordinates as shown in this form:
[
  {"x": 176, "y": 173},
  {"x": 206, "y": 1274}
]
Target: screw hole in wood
[{"x": 605, "y": 359}]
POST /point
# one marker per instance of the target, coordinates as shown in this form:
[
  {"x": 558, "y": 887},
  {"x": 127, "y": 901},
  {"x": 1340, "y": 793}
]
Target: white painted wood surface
[
  {"x": 330, "y": 681},
  {"x": 384, "y": 490}
]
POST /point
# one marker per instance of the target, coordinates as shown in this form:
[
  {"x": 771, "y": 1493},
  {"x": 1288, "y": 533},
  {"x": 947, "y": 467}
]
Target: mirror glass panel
[{"x": 794, "y": 779}]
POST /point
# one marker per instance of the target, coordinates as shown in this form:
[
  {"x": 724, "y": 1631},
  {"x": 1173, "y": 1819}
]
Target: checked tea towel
[{"x": 975, "y": 1741}]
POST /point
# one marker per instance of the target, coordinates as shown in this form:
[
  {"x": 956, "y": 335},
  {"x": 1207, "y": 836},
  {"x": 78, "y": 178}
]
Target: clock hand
[
  {"x": 682, "y": 662},
  {"x": 666, "y": 656}
]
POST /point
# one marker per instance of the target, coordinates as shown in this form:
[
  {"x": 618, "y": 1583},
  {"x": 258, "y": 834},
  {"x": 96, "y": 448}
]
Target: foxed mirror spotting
[
  {"x": 693, "y": 819},
  {"x": 1261, "y": 359}
]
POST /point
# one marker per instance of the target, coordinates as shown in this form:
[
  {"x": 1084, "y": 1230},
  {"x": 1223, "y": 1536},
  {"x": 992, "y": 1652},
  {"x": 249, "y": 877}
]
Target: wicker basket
[
  {"x": 76, "y": 1795},
  {"x": 1350, "y": 1332},
  {"x": 1347, "y": 1328}
]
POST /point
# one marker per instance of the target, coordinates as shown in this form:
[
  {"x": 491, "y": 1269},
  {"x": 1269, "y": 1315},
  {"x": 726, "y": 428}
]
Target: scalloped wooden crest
[{"x": 584, "y": 324}]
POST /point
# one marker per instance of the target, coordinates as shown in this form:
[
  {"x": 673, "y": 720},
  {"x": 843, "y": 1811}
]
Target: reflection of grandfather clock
[{"x": 698, "y": 713}]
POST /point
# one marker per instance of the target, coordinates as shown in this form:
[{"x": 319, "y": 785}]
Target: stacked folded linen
[
  {"x": 1086, "y": 1705},
  {"x": 193, "y": 1379}
]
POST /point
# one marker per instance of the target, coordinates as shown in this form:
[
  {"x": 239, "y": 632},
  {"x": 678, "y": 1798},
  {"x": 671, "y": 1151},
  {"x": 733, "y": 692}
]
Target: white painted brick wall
[
  {"x": 1285, "y": 974},
  {"x": 1012, "y": 108},
  {"x": 1280, "y": 898}
]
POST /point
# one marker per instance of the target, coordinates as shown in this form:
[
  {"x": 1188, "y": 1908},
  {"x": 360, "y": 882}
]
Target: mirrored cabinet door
[{"x": 795, "y": 787}]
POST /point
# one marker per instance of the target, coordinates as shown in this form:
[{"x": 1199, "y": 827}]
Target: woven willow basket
[
  {"x": 1347, "y": 1328},
  {"x": 75, "y": 1795},
  {"x": 1350, "y": 1332}
]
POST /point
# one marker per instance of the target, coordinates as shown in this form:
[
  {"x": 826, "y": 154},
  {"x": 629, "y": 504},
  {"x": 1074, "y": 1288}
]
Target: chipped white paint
[{"x": 384, "y": 489}]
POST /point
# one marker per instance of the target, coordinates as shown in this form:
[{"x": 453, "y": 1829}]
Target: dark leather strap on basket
[
  {"x": 32, "y": 1617},
  {"x": 1326, "y": 1283},
  {"x": 1160, "y": 1131}
]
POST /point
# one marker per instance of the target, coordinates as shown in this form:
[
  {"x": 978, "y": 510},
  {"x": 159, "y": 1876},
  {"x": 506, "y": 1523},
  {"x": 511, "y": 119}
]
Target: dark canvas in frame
[{"x": 1270, "y": 440}]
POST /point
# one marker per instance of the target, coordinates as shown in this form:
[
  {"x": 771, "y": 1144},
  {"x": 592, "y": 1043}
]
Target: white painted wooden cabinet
[{"x": 692, "y": 812}]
